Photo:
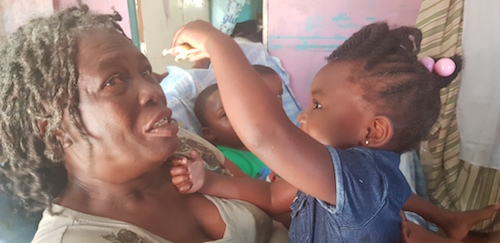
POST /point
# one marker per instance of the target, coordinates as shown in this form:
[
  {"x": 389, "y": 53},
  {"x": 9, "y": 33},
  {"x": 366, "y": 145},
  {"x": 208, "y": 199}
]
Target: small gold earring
[{"x": 367, "y": 142}]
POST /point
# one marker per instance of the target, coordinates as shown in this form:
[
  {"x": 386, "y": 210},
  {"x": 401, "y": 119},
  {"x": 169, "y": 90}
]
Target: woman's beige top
[{"x": 244, "y": 223}]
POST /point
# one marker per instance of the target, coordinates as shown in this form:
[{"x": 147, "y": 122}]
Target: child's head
[
  {"x": 272, "y": 79},
  {"x": 208, "y": 108},
  {"x": 214, "y": 122},
  {"x": 374, "y": 92}
]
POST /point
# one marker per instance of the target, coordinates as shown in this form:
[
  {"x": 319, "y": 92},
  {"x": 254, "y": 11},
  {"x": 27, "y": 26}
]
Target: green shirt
[{"x": 246, "y": 161}]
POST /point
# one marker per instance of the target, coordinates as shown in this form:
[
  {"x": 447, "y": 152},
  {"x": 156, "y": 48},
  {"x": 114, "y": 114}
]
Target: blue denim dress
[{"x": 370, "y": 194}]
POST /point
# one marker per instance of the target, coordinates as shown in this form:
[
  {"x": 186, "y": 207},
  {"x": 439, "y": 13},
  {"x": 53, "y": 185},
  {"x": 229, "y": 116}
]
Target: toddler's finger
[
  {"x": 198, "y": 56},
  {"x": 194, "y": 154},
  {"x": 183, "y": 188},
  {"x": 179, "y": 161},
  {"x": 181, "y": 179},
  {"x": 176, "y": 37},
  {"x": 179, "y": 171}
]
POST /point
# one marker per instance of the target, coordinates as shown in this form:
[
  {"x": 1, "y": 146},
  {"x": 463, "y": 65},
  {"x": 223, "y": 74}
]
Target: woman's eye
[
  {"x": 317, "y": 105},
  {"x": 113, "y": 81},
  {"x": 146, "y": 72}
]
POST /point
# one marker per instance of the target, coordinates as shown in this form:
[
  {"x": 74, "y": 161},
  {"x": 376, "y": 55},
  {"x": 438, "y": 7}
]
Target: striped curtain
[{"x": 452, "y": 183}]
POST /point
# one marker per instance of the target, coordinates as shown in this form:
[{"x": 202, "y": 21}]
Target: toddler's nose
[{"x": 301, "y": 118}]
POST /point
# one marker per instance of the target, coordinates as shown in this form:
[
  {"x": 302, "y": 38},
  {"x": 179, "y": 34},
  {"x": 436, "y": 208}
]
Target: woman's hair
[
  {"x": 38, "y": 82},
  {"x": 394, "y": 81}
]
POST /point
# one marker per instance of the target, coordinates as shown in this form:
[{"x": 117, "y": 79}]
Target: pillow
[{"x": 182, "y": 86}]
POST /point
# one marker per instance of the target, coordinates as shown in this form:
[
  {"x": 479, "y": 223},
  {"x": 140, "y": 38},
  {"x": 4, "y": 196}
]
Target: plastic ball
[
  {"x": 444, "y": 67},
  {"x": 428, "y": 63}
]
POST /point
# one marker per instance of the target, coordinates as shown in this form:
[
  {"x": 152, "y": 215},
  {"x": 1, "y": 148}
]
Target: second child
[{"x": 217, "y": 129}]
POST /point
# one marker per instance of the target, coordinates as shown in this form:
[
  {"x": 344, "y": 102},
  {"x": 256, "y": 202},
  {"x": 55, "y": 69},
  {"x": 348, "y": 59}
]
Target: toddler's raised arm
[{"x": 258, "y": 120}]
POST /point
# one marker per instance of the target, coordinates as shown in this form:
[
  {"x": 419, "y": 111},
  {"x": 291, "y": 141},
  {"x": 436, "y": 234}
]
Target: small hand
[
  {"x": 404, "y": 229},
  {"x": 188, "y": 174},
  {"x": 196, "y": 34}
]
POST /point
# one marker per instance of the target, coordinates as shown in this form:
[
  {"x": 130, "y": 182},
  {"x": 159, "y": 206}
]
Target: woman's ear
[
  {"x": 379, "y": 133},
  {"x": 42, "y": 126},
  {"x": 63, "y": 137}
]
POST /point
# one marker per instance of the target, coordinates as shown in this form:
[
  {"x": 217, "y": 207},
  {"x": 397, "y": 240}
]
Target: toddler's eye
[{"x": 317, "y": 105}]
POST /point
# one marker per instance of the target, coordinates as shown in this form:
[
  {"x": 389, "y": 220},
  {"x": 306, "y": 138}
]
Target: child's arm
[
  {"x": 257, "y": 117},
  {"x": 455, "y": 224},
  {"x": 234, "y": 169},
  {"x": 189, "y": 176}
]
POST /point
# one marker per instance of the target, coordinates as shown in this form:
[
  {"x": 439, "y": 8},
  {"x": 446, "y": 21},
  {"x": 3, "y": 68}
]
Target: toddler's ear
[
  {"x": 207, "y": 134},
  {"x": 379, "y": 133}
]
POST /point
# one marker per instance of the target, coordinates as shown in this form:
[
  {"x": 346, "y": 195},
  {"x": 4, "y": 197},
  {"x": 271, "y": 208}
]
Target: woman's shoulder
[
  {"x": 245, "y": 222},
  {"x": 66, "y": 225}
]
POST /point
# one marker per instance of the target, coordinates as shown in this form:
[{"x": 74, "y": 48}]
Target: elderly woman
[{"x": 86, "y": 134}]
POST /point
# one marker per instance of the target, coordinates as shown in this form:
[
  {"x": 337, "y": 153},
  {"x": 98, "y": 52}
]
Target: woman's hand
[
  {"x": 188, "y": 174},
  {"x": 198, "y": 34}
]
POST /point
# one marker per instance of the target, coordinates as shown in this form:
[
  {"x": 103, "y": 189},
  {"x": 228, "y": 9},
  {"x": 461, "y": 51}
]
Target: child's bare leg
[
  {"x": 459, "y": 224},
  {"x": 455, "y": 224},
  {"x": 482, "y": 238},
  {"x": 420, "y": 235}
]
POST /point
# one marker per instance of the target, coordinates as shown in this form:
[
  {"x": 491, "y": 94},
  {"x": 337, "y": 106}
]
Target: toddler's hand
[
  {"x": 196, "y": 34},
  {"x": 404, "y": 229},
  {"x": 188, "y": 174}
]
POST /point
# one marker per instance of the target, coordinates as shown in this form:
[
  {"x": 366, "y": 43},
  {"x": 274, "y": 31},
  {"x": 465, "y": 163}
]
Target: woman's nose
[{"x": 151, "y": 92}]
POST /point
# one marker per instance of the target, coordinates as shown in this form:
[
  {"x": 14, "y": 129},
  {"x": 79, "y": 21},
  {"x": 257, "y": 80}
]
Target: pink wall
[
  {"x": 102, "y": 6},
  {"x": 302, "y": 33},
  {"x": 16, "y": 13}
]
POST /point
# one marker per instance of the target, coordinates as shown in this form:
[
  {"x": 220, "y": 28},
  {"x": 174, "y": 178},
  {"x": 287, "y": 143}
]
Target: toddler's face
[
  {"x": 219, "y": 127},
  {"x": 337, "y": 111},
  {"x": 220, "y": 130}
]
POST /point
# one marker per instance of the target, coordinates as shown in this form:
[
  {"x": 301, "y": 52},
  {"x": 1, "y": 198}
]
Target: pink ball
[
  {"x": 428, "y": 63},
  {"x": 444, "y": 67}
]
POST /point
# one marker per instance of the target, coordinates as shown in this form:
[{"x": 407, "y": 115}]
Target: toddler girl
[{"x": 372, "y": 101}]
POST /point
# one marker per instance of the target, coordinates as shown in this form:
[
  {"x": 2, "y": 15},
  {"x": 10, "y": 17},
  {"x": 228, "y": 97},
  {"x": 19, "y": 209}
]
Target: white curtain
[{"x": 478, "y": 110}]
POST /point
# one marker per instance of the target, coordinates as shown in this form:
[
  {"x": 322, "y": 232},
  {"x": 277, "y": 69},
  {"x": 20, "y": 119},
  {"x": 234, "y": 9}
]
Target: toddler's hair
[
  {"x": 394, "y": 81},
  {"x": 264, "y": 70}
]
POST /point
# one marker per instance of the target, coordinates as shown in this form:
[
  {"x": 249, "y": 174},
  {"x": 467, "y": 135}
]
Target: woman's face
[{"x": 124, "y": 112}]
